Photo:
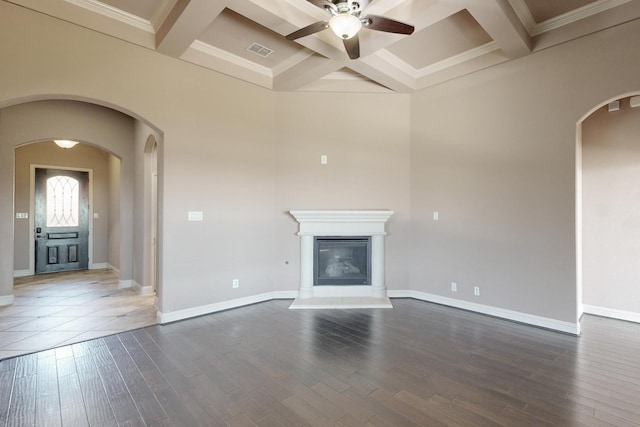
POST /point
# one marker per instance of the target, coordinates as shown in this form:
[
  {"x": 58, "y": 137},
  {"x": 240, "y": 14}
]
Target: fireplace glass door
[{"x": 342, "y": 260}]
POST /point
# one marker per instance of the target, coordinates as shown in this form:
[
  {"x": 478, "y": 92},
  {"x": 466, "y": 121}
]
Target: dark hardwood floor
[{"x": 417, "y": 364}]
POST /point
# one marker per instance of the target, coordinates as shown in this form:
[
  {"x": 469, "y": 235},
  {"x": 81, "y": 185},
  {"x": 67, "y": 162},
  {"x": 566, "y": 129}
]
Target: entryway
[{"x": 61, "y": 220}]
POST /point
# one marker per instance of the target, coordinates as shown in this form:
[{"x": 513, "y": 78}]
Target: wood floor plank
[
  {"x": 183, "y": 412},
  {"x": 352, "y": 412},
  {"x": 22, "y": 411},
  {"x": 307, "y": 412},
  {"x": 96, "y": 402},
  {"x": 384, "y": 414},
  {"x": 269, "y": 421},
  {"x": 277, "y": 410},
  {"x": 75, "y": 415},
  {"x": 48, "y": 411},
  {"x": 414, "y": 365},
  {"x": 6, "y": 387}
]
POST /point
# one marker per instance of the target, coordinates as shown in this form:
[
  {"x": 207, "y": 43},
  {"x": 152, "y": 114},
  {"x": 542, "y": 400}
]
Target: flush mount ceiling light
[
  {"x": 346, "y": 23},
  {"x": 65, "y": 143}
]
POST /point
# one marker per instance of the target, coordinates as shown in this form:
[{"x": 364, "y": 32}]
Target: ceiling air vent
[{"x": 258, "y": 49}]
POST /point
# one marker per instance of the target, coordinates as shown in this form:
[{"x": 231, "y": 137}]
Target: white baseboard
[
  {"x": 125, "y": 284},
  {"x": 174, "y": 316},
  {"x": 141, "y": 290},
  {"x": 529, "y": 319},
  {"x": 7, "y": 300},
  {"x": 22, "y": 273},
  {"x": 98, "y": 266},
  {"x": 284, "y": 294},
  {"x": 629, "y": 316}
]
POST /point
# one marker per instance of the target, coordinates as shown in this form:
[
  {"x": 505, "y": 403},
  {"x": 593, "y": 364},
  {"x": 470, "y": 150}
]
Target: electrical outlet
[
  {"x": 454, "y": 287},
  {"x": 323, "y": 159},
  {"x": 476, "y": 291},
  {"x": 236, "y": 283}
]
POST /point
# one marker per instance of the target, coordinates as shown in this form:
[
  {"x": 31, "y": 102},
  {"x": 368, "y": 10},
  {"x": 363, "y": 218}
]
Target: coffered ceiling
[{"x": 246, "y": 38}]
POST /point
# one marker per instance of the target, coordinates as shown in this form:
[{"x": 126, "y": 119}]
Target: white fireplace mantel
[{"x": 342, "y": 223}]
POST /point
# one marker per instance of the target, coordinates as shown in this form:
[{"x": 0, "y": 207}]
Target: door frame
[{"x": 32, "y": 208}]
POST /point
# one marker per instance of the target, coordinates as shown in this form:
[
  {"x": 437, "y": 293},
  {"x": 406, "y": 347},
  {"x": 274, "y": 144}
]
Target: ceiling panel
[
  {"x": 454, "y": 35},
  {"x": 542, "y": 10},
  {"x": 234, "y": 33}
]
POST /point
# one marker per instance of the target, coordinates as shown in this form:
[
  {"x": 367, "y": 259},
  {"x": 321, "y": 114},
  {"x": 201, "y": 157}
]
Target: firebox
[{"x": 342, "y": 260}]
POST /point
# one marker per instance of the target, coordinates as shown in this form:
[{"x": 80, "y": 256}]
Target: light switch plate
[
  {"x": 195, "y": 216},
  {"x": 22, "y": 215}
]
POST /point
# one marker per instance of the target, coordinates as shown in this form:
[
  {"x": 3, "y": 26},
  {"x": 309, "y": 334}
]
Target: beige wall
[
  {"x": 46, "y": 153},
  {"x": 113, "y": 249},
  {"x": 611, "y": 208},
  {"x": 494, "y": 153},
  {"x": 366, "y": 140}
]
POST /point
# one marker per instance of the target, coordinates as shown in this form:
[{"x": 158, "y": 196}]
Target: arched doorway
[
  {"x": 150, "y": 209},
  {"x": 119, "y": 134},
  {"x": 608, "y": 236}
]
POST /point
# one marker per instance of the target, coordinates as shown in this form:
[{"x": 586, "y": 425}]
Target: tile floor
[{"x": 52, "y": 310}]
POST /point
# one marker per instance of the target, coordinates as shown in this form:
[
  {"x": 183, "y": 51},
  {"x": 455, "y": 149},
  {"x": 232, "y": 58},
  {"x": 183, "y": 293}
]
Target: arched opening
[
  {"x": 608, "y": 203},
  {"x": 150, "y": 209},
  {"x": 117, "y": 143}
]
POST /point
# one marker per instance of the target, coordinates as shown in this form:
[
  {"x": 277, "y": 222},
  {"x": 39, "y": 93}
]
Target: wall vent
[{"x": 258, "y": 49}]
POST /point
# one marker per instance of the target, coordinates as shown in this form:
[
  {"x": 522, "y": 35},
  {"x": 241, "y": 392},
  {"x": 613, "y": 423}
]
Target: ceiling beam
[
  {"x": 500, "y": 21},
  {"x": 384, "y": 73},
  {"x": 183, "y": 25},
  {"x": 305, "y": 72}
]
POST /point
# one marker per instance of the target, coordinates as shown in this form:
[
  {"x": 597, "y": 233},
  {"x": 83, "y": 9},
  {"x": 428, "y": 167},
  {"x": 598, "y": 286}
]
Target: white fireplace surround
[{"x": 342, "y": 223}]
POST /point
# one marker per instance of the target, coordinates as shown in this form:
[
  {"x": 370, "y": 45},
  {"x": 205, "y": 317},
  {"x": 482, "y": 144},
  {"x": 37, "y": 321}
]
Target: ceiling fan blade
[
  {"x": 380, "y": 23},
  {"x": 308, "y": 30},
  {"x": 352, "y": 46}
]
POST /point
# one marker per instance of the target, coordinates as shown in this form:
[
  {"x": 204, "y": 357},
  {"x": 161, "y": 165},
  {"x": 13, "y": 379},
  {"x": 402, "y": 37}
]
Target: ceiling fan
[{"x": 346, "y": 23}]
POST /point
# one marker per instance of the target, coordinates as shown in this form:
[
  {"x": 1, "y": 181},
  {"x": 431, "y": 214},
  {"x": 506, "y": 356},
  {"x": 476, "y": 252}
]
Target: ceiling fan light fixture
[
  {"x": 65, "y": 143},
  {"x": 345, "y": 25}
]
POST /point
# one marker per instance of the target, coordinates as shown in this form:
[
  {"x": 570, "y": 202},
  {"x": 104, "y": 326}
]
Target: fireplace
[
  {"x": 347, "y": 233},
  {"x": 341, "y": 261}
]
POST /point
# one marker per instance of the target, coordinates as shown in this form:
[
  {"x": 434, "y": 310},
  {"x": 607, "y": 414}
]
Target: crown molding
[
  {"x": 345, "y": 75},
  {"x": 440, "y": 65},
  {"x": 291, "y": 61},
  {"x": 535, "y": 29},
  {"x": 576, "y": 15},
  {"x": 114, "y": 13}
]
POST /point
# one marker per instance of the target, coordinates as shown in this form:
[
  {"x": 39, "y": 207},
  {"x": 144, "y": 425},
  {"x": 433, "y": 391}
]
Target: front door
[{"x": 61, "y": 220}]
